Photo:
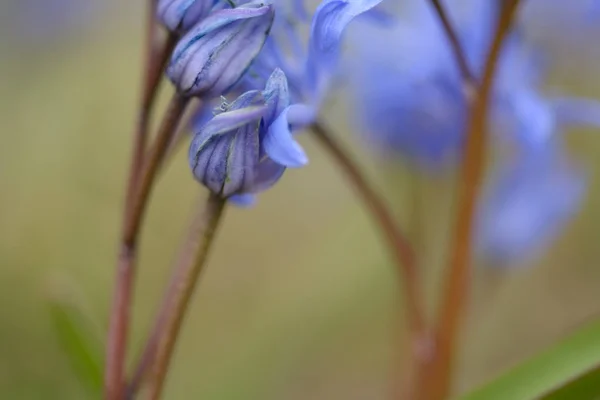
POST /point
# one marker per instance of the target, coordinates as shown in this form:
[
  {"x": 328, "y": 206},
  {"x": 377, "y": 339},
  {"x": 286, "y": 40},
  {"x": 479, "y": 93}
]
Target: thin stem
[
  {"x": 183, "y": 260},
  {"x": 435, "y": 380},
  {"x": 178, "y": 297},
  {"x": 398, "y": 243},
  {"x": 123, "y": 292},
  {"x": 114, "y": 366},
  {"x": 155, "y": 64},
  {"x": 455, "y": 45}
]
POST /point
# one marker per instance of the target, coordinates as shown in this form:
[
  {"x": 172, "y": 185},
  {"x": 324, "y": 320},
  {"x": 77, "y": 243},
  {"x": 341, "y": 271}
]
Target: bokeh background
[{"x": 300, "y": 300}]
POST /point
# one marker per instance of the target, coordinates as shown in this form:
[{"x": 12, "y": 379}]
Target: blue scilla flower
[
  {"x": 232, "y": 153},
  {"x": 214, "y": 54},
  {"x": 412, "y": 103},
  {"x": 309, "y": 69},
  {"x": 410, "y": 98},
  {"x": 527, "y": 203}
]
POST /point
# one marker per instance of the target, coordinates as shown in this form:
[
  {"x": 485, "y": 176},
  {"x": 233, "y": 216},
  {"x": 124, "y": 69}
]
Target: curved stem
[
  {"x": 455, "y": 45},
  {"x": 123, "y": 292},
  {"x": 435, "y": 379},
  {"x": 397, "y": 240},
  {"x": 155, "y": 65},
  {"x": 177, "y": 299},
  {"x": 183, "y": 260}
]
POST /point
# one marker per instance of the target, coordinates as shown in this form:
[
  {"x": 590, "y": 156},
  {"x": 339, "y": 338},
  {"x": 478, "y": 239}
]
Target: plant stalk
[
  {"x": 123, "y": 292},
  {"x": 177, "y": 300},
  {"x": 397, "y": 241},
  {"x": 434, "y": 380}
]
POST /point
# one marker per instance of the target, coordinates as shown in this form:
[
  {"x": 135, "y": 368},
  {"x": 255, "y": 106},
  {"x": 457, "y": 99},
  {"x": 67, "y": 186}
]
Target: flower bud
[
  {"x": 181, "y": 15},
  {"x": 217, "y": 51},
  {"x": 224, "y": 154}
]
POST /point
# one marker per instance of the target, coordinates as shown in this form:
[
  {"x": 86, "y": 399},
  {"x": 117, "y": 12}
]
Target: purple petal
[
  {"x": 243, "y": 200},
  {"x": 327, "y": 27},
  {"x": 242, "y": 159},
  {"x": 280, "y": 146},
  {"x": 276, "y": 95},
  {"x": 528, "y": 205},
  {"x": 180, "y": 15},
  {"x": 227, "y": 122},
  {"x": 216, "y": 52},
  {"x": 268, "y": 172}
]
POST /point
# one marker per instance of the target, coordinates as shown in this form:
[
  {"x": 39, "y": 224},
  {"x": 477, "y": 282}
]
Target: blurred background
[{"x": 300, "y": 300}]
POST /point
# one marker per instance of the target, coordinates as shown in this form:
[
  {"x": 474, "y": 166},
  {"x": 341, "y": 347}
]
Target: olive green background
[{"x": 299, "y": 301}]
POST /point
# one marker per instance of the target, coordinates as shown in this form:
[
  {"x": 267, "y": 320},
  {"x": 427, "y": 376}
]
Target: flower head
[
  {"x": 246, "y": 148},
  {"x": 309, "y": 68},
  {"x": 218, "y": 50},
  {"x": 413, "y": 103},
  {"x": 181, "y": 15}
]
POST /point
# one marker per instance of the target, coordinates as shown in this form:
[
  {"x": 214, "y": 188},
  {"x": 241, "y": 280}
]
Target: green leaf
[
  {"x": 81, "y": 342},
  {"x": 585, "y": 387},
  {"x": 568, "y": 370}
]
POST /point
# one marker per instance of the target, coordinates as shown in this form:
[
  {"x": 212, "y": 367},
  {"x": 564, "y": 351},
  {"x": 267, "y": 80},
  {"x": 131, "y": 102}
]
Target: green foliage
[
  {"x": 80, "y": 340},
  {"x": 568, "y": 370}
]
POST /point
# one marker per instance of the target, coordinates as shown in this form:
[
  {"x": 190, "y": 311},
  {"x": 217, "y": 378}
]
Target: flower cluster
[
  {"x": 408, "y": 93},
  {"x": 413, "y": 103},
  {"x": 226, "y": 48}
]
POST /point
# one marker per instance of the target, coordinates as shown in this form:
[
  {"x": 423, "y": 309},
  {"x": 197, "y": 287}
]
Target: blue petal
[
  {"x": 328, "y": 24},
  {"x": 243, "y": 200},
  {"x": 276, "y": 95},
  {"x": 180, "y": 15},
  {"x": 217, "y": 51},
  {"x": 227, "y": 122},
  {"x": 280, "y": 146},
  {"x": 573, "y": 111},
  {"x": 528, "y": 205}
]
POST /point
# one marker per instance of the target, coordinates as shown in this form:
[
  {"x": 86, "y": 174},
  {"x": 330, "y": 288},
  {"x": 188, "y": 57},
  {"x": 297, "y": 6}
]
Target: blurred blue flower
[
  {"x": 309, "y": 69},
  {"x": 527, "y": 204},
  {"x": 246, "y": 148},
  {"x": 410, "y": 97},
  {"x": 412, "y": 102}
]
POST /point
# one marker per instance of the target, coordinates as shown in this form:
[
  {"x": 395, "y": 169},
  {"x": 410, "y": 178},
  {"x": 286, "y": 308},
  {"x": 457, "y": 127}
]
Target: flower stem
[
  {"x": 398, "y": 242},
  {"x": 183, "y": 260},
  {"x": 435, "y": 379},
  {"x": 123, "y": 292},
  {"x": 179, "y": 294},
  {"x": 155, "y": 65},
  {"x": 455, "y": 44}
]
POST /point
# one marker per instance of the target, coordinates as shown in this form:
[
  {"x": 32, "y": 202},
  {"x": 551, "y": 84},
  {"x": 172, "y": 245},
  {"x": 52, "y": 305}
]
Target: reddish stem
[
  {"x": 123, "y": 292},
  {"x": 178, "y": 296},
  {"x": 434, "y": 380},
  {"x": 455, "y": 45},
  {"x": 397, "y": 241}
]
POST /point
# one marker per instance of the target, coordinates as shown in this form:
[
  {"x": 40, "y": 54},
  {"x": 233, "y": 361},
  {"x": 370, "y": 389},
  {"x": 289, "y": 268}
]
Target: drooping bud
[
  {"x": 181, "y": 15},
  {"x": 225, "y": 152},
  {"x": 217, "y": 51}
]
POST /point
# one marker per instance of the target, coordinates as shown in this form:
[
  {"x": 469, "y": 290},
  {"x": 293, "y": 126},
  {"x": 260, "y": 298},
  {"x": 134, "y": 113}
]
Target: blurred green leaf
[
  {"x": 568, "y": 370},
  {"x": 81, "y": 342},
  {"x": 585, "y": 387}
]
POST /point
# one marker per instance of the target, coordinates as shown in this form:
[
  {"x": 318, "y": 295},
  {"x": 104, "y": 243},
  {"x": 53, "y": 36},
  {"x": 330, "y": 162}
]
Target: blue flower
[
  {"x": 218, "y": 50},
  {"x": 246, "y": 148},
  {"x": 181, "y": 15},
  {"x": 310, "y": 68},
  {"x": 526, "y": 205},
  {"x": 412, "y": 103},
  {"x": 410, "y": 98}
]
